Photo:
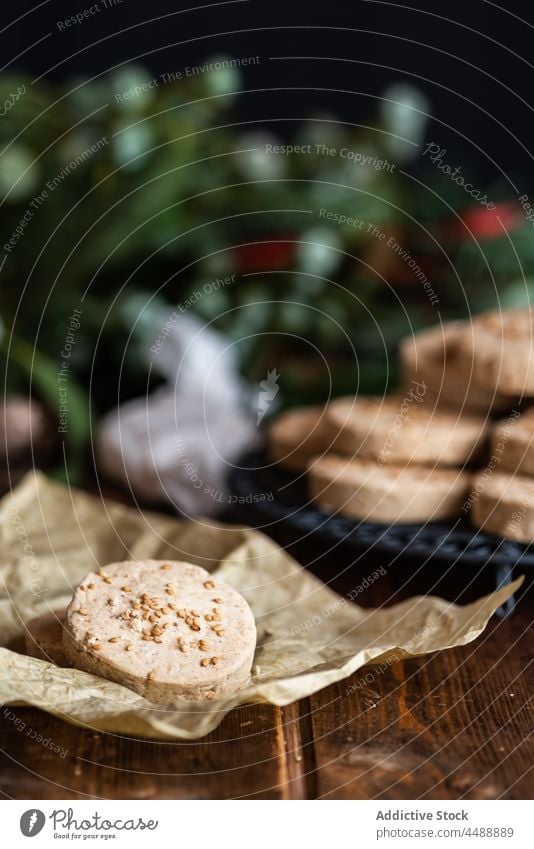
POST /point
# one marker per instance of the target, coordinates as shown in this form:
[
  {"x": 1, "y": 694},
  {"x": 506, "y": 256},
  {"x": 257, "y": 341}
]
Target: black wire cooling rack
[{"x": 268, "y": 497}]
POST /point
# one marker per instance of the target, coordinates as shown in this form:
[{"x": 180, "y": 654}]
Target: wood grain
[
  {"x": 456, "y": 725},
  {"x": 244, "y": 757}
]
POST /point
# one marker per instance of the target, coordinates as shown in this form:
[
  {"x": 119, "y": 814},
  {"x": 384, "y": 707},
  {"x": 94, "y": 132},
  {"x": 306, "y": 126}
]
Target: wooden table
[{"x": 450, "y": 726}]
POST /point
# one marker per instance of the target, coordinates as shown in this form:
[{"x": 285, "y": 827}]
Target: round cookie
[
  {"x": 402, "y": 429},
  {"x": 168, "y": 630},
  {"x": 296, "y": 436},
  {"x": 44, "y": 637},
  {"x": 501, "y": 347},
  {"x": 504, "y": 505},
  {"x": 512, "y": 441},
  {"x": 366, "y": 490},
  {"x": 435, "y": 357}
]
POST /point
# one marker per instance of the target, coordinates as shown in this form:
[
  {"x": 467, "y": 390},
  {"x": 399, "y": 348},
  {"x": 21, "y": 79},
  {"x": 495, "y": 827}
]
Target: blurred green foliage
[{"x": 125, "y": 192}]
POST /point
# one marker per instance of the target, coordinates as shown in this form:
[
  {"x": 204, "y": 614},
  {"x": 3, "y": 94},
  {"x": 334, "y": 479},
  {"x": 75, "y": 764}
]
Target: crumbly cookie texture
[
  {"x": 363, "y": 489},
  {"x": 500, "y": 345},
  {"x": 512, "y": 442},
  {"x": 404, "y": 429},
  {"x": 166, "y": 629},
  {"x": 504, "y": 505},
  {"x": 44, "y": 637},
  {"x": 438, "y": 358},
  {"x": 298, "y": 435}
]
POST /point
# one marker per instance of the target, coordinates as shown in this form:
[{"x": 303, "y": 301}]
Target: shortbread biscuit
[
  {"x": 436, "y": 358},
  {"x": 504, "y": 505},
  {"x": 512, "y": 443},
  {"x": 501, "y": 347},
  {"x": 298, "y": 435},
  {"x": 44, "y": 637},
  {"x": 403, "y": 429},
  {"x": 365, "y": 490},
  {"x": 168, "y": 630}
]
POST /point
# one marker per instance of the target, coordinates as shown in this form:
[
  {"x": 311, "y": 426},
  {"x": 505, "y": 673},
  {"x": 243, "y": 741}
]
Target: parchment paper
[{"x": 308, "y": 636}]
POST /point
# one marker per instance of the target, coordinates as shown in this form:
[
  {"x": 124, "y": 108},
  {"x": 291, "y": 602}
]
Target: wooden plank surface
[
  {"x": 455, "y": 725},
  {"x": 243, "y": 757}
]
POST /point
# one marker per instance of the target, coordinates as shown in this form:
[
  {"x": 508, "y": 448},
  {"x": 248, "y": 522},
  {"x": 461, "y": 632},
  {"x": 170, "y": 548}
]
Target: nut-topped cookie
[{"x": 166, "y": 629}]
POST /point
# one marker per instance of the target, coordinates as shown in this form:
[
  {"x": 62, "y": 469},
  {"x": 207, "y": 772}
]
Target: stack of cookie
[
  {"x": 502, "y": 494},
  {"x": 433, "y": 450}
]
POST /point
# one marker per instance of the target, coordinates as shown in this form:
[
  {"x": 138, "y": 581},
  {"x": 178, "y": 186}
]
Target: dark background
[{"x": 473, "y": 59}]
